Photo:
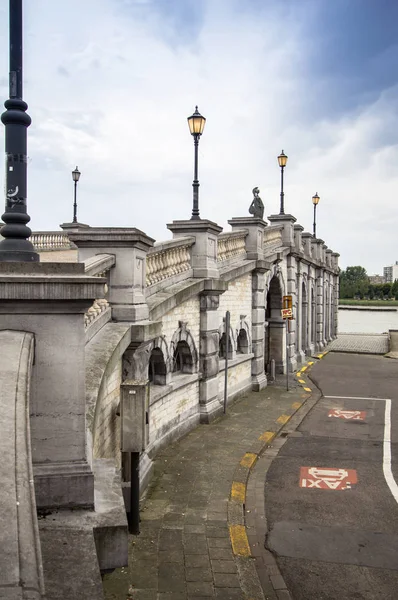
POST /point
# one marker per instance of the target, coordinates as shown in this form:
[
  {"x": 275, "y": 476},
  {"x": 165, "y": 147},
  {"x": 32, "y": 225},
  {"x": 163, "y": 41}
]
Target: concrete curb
[{"x": 249, "y": 578}]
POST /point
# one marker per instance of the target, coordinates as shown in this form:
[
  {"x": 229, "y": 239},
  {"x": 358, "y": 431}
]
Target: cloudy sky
[{"x": 110, "y": 84}]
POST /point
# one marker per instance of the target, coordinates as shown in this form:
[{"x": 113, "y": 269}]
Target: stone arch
[
  {"x": 243, "y": 337},
  {"x": 183, "y": 352},
  {"x": 159, "y": 364},
  {"x": 273, "y": 340}
]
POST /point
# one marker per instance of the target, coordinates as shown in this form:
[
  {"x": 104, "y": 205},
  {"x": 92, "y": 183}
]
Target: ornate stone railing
[
  {"x": 51, "y": 240},
  {"x": 231, "y": 245},
  {"x": 20, "y": 557},
  {"x": 272, "y": 237},
  {"x": 167, "y": 259},
  {"x": 99, "y": 312}
]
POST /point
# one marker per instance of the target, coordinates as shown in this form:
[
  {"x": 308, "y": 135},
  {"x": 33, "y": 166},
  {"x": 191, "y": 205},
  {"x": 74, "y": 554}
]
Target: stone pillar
[
  {"x": 209, "y": 405},
  {"x": 307, "y": 241},
  {"x": 300, "y": 315},
  {"x": 204, "y": 251},
  {"x": 49, "y": 300},
  {"x": 288, "y": 222},
  {"x": 255, "y": 237},
  {"x": 127, "y": 277},
  {"x": 259, "y": 379},
  {"x": 292, "y": 265},
  {"x": 320, "y": 342},
  {"x": 298, "y": 232}
]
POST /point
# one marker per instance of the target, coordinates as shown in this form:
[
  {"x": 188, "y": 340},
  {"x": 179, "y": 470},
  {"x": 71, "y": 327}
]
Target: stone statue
[{"x": 257, "y": 207}]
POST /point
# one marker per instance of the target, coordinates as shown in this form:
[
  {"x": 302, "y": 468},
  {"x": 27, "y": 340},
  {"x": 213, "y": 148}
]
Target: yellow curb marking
[
  {"x": 267, "y": 436},
  {"x": 248, "y": 460},
  {"x": 301, "y": 381},
  {"x": 308, "y": 389},
  {"x": 240, "y": 543},
  {"x": 311, "y": 362},
  {"x": 283, "y": 419},
  {"x": 238, "y": 491},
  {"x": 320, "y": 355},
  {"x": 304, "y": 368},
  {"x": 296, "y": 405}
]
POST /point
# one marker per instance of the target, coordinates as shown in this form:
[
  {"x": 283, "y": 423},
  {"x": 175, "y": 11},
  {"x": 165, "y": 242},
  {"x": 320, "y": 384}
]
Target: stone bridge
[{"x": 115, "y": 344}]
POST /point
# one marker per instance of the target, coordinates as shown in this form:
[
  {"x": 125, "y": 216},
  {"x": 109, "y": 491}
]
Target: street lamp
[
  {"x": 196, "y": 124},
  {"x": 75, "y": 176},
  {"x": 282, "y": 160},
  {"x": 315, "y": 200},
  {"x": 15, "y": 246}
]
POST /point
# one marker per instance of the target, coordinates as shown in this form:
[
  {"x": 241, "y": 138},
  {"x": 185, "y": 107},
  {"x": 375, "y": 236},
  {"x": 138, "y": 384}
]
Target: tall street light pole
[
  {"x": 75, "y": 176},
  {"x": 282, "y": 160},
  {"x": 315, "y": 200},
  {"x": 15, "y": 246},
  {"x": 196, "y": 123}
]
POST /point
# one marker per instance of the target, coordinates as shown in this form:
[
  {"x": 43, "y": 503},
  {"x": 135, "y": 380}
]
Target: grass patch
[{"x": 351, "y": 302}]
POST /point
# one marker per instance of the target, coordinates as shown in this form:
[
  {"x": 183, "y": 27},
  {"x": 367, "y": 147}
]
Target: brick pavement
[
  {"x": 360, "y": 343},
  {"x": 184, "y": 551}
]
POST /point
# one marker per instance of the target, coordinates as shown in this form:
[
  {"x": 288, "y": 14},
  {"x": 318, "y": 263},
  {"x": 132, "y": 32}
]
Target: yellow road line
[
  {"x": 310, "y": 362},
  {"x": 248, "y": 460},
  {"x": 297, "y": 405},
  {"x": 301, "y": 381},
  {"x": 283, "y": 419},
  {"x": 307, "y": 389},
  {"x": 267, "y": 436},
  {"x": 238, "y": 491},
  {"x": 304, "y": 368},
  {"x": 240, "y": 543}
]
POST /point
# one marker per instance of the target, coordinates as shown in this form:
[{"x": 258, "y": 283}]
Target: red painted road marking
[
  {"x": 327, "y": 479},
  {"x": 354, "y": 415}
]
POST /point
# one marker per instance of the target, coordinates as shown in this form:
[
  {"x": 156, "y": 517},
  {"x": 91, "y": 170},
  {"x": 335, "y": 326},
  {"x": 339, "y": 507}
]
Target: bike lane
[{"x": 332, "y": 517}]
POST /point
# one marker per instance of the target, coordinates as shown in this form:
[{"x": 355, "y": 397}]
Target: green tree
[{"x": 354, "y": 281}]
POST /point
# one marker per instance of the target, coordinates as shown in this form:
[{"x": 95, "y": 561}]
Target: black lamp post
[
  {"x": 282, "y": 160},
  {"x": 315, "y": 200},
  {"x": 196, "y": 126},
  {"x": 16, "y": 246},
  {"x": 75, "y": 176}
]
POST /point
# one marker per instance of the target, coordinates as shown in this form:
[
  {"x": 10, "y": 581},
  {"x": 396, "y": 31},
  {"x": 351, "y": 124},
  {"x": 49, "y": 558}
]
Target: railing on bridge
[
  {"x": 272, "y": 237},
  {"x": 231, "y": 244},
  {"x": 51, "y": 240},
  {"x": 167, "y": 259},
  {"x": 99, "y": 312},
  {"x": 21, "y": 560}
]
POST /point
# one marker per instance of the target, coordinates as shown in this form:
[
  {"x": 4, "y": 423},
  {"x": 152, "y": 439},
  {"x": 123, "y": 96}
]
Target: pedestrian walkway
[
  {"x": 360, "y": 343},
  {"x": 193, "y": 541}
]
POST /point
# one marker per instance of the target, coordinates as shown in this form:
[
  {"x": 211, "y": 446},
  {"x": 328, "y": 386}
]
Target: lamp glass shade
[
  {"x": 315, "y": 199},
  {"x": 282, "y": 159},
  {"x": 196, "y": 123},
  {"x": 76, "y": 174}
]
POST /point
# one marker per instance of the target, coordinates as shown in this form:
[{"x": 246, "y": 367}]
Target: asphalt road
[{"x": 330, "y": 504}]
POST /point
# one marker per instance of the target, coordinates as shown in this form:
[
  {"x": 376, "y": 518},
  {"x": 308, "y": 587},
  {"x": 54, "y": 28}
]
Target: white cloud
[{"x": 108, "y": 91}]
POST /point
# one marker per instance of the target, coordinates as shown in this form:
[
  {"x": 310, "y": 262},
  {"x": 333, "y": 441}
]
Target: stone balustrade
[
  {"x": 51, "y": 240},
  {"x": 272, "y": 237},
  {"x": 96, "y": 309},
  {"x": 231, "y": 245},
  {"x": 167, "y": 259},
  {"x": 98, "y": 266}
]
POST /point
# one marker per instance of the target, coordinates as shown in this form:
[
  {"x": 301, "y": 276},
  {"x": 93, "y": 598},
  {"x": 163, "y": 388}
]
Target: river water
[{"x": 367, "y": 321}]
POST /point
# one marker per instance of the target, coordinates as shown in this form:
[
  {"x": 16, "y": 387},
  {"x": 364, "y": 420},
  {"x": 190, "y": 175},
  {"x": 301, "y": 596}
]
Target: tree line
[{"x": 354, "y": 283}]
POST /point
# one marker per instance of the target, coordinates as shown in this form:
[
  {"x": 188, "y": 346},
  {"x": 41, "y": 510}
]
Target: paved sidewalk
[
  {"x": 193, "y": 541},
  {"x": 360, "y": 343}
]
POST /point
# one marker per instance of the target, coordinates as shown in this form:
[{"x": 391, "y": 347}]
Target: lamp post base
[{"x": 14, "y": 250}]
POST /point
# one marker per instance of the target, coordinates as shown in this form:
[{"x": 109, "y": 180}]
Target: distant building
[
  {"x": 375, "y": 279},
  {"x": 391, "y": 273}
]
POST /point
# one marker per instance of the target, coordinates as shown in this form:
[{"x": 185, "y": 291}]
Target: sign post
[{"x": 287, "y": 315}]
